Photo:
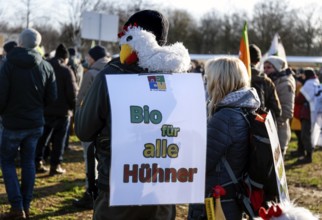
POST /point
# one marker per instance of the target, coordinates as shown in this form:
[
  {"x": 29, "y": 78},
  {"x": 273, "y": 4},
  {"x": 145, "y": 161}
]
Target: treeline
[{"x": 219, "y": 33}]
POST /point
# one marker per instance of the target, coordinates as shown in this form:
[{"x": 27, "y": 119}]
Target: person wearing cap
[
  {"x": 27, "y": 84},
  {"x": 306, "y": 100},
  {"x": 97, "y": 59},
  {"x": 264, "y": 86},
  {"x": 57, "y": 115},
  {"x": 93, "y": 122},
  {"x": 284, "y": 82}
]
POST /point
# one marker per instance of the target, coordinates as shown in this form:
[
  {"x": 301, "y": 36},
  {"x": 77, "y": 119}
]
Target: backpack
[{"x": 258, "y": 184}]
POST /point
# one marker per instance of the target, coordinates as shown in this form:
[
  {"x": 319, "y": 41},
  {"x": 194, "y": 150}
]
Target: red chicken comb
[
  {"x": 273, "y": 211},
  {"x": 126, "y": 28}
]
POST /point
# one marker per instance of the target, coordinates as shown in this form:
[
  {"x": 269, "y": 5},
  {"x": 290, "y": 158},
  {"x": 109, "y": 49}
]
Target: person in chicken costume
[{"x": 143, "y": 50}]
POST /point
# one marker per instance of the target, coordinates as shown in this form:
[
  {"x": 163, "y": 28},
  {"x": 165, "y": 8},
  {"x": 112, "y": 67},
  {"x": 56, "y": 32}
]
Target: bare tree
[
  {"x": 29, "y": 12},
  {"x": 305, "y": 34},
  {"x": 210, "y": 28},
  {"x": 231, "y": 33},
  {"x": 181, "y": 25},
  {"x": 270, "y": 17},
  {"x": 49, "y": 37},
  {"x": 71, "y": 29}
]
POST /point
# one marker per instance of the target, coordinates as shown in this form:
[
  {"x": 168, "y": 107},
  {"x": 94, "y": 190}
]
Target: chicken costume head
[
  {"x": 285, "y": 211},
  {"x": 143, "y": 41}
]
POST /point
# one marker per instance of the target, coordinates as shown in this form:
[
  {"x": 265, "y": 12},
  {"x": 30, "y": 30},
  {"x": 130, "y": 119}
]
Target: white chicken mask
[{"x": 138, "y": 45}]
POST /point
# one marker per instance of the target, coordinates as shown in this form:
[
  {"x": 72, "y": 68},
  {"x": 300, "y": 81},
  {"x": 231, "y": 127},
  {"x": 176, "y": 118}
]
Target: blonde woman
[{"x": 230, "y": 97}]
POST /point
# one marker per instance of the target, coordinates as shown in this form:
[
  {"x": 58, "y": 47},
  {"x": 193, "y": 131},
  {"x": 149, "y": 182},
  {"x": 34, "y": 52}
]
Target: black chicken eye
[{"x": 129, "y": 38}]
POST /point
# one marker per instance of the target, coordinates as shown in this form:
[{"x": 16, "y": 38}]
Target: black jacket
[
  {"x": 266, "y": 92},
  {"x": 27, "y": 84},
  {"x": 66, "y": 89},
  {"x": 93, "y": 120}
]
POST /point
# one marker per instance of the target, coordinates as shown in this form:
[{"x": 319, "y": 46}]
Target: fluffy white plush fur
[
  {"x": 172, "y": 58},
  {"x": 293, "y": 212}
]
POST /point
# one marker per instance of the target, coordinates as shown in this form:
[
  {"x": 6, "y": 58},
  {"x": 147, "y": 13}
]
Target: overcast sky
[
  {"x": 55, "y": 10},
  {"x": 202, "y": 6}
]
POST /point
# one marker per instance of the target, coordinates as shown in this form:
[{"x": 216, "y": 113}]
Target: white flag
[{"x": 276, "y": 49}]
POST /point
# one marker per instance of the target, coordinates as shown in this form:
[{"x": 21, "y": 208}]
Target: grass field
[{"x": 53, "y": 196}]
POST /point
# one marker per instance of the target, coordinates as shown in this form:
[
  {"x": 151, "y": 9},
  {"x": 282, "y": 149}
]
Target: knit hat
[
  {"x": 9, "y": 46},
  {"x": 255, "y": 53},
  {"x": 29, "y": 38},
  {"x": 152, "y": 21},
  {"x": 277, "y": 62},
  {"x": 61, "y": 52},
  {"x": 97, "y": 52}
]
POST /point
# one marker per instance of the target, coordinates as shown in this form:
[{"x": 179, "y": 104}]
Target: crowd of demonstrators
[
  {"x": 93, "y": 122},
  {"x": 230, "y": 96},
  {"x": 27, "y": 84},
  {"x": 264, "y": 86},
  {"x": 57, "y": 115},
  {"x": 39, "y": 98},
  {"x": 306, "y": 104},
  {"x": 97, "y": 59},
  {"x": 284, "y": 82}
]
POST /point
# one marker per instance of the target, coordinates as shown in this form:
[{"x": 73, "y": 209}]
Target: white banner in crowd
[
  {"x": 278, "y": 158},
  {"x": 158, "y": 139}
]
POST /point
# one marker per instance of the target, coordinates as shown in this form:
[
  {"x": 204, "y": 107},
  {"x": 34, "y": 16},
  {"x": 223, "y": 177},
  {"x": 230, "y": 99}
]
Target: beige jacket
[
  {"x": 89, "y": 77},
  {"x": 285, "y": 87}
]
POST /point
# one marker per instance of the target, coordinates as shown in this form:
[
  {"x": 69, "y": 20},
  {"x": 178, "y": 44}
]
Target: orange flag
[{"x": 244, "y": 49}]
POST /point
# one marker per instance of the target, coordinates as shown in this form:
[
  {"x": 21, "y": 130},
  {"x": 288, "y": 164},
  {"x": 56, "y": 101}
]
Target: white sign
[
  {"x": 278, "y": 158},
  {"x": 158, "y": 139},
  {"x": 96, "y": 26}
]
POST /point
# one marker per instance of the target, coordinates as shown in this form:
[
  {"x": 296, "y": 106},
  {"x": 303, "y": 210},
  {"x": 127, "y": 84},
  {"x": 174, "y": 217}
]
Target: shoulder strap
[
  {"x": 229, "y": 170},
  {"x": 240, "y": 194}
]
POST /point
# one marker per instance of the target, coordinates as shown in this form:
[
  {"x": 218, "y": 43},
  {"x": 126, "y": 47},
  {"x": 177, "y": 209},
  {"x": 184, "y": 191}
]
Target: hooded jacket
[
  {"x": 227, "y": 135},
  {"x": 27, "y": 85},
  {"x": 66, "y": 89},
  {"x": 285, "y": 87}
]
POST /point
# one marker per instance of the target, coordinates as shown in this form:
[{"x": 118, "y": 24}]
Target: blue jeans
[{"x": 19, "y": 196}]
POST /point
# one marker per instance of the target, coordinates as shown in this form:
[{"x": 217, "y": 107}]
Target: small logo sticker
[{"x": 157, "y": 83}]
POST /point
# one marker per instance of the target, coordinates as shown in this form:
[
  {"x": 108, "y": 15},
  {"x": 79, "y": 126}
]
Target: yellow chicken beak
[{"x": 126, "y": 51}]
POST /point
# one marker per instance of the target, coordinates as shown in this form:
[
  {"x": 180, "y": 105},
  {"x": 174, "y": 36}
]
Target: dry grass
[{"x": 53, "y": 196}]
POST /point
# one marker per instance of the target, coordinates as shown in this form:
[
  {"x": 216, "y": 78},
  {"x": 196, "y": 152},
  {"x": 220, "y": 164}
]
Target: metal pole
[
  {"x": 100, "y": 29},
  {"x": 28, "y": 12}
]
